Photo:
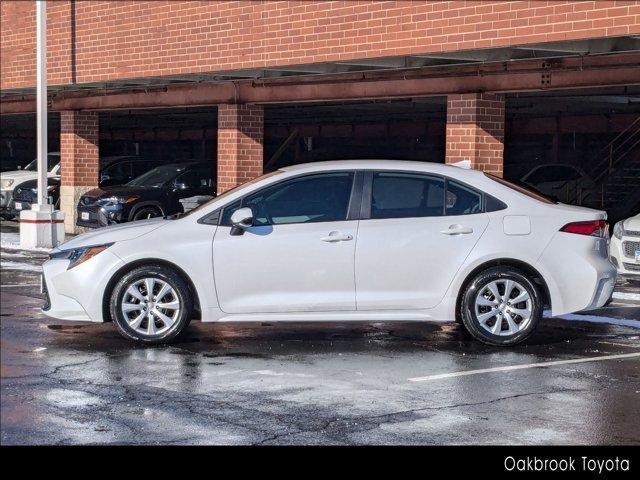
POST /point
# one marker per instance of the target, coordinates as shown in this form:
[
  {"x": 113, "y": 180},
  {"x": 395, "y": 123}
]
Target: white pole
[
  {"x": 41, "y": 226},
  {"x": 41, "y": 68}
]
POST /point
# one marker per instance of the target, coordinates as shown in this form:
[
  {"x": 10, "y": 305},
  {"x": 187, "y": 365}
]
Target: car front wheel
[
  {"x": 146, "y": 212},
  {"x": 151, "y": 304},
  {"x": 501, "y": 306}
]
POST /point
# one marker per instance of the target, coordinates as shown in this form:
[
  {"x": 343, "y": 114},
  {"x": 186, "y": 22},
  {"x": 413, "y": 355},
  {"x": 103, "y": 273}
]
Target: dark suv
[
  {"x": 152, "y": 194},
  {"x": 113, "y": 171}
]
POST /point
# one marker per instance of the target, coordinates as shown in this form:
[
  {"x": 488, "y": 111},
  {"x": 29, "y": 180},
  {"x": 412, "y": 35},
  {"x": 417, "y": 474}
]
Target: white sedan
[{"x": 362, "y": 240}]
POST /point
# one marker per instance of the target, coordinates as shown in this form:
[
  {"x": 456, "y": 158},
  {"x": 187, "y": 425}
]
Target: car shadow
[{"x": 283, "y": 339}]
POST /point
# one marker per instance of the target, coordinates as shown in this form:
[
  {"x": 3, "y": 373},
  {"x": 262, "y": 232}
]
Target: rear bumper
[
  {"x": 578, "y": 273},
  {"x": 603, "y": 293}
]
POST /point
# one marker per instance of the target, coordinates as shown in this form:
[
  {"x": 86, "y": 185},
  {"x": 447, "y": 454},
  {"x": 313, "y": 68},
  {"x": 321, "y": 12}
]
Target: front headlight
[
  {"x": 118, "y": 200},
  {"x": 7, "y": 182},
  {"x": 618, "y": 230},
  {"x": 79, "y": 255}
]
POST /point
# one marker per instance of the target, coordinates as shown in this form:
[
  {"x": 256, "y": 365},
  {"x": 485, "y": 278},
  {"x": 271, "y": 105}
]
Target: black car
[
  {"x": 113, "y": 171},
  {"x": 153, "y": 194},
  {"x": 25, "y": 195}
]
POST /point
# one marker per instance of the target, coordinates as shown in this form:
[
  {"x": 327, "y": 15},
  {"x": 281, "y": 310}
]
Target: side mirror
[
  {"x": 241, "y": 219},
  {"x": 19, "y": 167},
  {"x": 180, "y": 186}
]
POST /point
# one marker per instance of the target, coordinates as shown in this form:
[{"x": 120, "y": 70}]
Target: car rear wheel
[
  {"x": 501, "y": 306},
  {"x": 151, "y": 304},
  {"x": 146, "y": 212}
]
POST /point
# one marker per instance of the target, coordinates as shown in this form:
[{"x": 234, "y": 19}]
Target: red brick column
[
  {"x": 240, "y": 138},
  {"x": 475, "y": 130},
  {"x": 79, "y": 160}
]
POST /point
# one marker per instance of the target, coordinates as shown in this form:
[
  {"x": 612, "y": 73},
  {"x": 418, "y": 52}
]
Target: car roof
[{"x": 404, "y": 165}]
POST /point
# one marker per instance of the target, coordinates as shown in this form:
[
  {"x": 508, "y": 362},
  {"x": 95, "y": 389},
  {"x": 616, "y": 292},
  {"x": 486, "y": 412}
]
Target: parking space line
[{"x": 521, "y": 367}]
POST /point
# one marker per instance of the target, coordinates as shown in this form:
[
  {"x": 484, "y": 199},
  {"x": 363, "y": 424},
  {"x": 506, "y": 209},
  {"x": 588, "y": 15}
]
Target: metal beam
[{"x": 514, "y": 76}]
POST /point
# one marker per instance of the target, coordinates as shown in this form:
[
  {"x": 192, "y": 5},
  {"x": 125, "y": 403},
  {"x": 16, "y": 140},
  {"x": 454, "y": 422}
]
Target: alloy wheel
[
  {"x": 150, "y": 306},
  {"x": 503, "y": 307}
]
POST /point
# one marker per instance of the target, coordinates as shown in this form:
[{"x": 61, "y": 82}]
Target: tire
[
  {"x": 517, "y": 320},
  {"x": 146, "y": 212},
  {"x": 132, "y": 310}
]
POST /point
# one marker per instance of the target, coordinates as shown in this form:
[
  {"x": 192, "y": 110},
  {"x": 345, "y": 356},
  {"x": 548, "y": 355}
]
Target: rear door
[{"x": 417, "y": 230}]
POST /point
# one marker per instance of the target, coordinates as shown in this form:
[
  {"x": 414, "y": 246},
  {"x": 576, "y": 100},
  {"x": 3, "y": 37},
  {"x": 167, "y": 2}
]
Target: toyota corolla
[{"x": 343, "y": 241}]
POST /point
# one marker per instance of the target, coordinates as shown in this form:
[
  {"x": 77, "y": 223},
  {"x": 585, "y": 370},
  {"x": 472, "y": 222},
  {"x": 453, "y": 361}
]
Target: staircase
[{"x": 616, "y": 173}]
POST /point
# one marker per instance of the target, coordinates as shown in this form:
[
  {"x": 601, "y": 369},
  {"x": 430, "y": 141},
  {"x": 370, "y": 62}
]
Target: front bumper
[
  {"x": 5, "y": 199},
  {"x": 77, "y": 294},
  {"x": 622, "y": 255},
  {"x": 17, "y": 206},
  {"x": 96, "y": 216}
]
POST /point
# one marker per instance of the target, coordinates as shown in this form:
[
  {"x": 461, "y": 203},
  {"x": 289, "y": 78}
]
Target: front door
[
  {"x": 299, "y": 254},
  {"x": 420, "y": 230}
]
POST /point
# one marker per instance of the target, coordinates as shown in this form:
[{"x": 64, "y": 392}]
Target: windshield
[
  {"x": 528, "y": 190},
  {"x": 159, "y": 176},
  {"x": 52, "y": 161},
  {"x": 224, "y": 195}
]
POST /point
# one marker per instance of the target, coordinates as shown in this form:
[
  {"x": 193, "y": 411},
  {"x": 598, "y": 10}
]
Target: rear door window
[
  {"x": 405, "y": 195},
  {"x": 462, "y": 200}
]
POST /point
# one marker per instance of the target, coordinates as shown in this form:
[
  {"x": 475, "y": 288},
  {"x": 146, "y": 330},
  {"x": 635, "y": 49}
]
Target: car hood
[
  {"x": 20, "y": 176},
  {"x": 114, "y": 233},
  {"x": 632, "y": 223}
]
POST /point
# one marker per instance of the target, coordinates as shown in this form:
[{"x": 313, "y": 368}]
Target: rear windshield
[{"x": 528, "y": 191}]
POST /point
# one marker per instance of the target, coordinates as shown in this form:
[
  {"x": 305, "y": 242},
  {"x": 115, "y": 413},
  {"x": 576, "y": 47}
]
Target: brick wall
[
  {"x": 240, "y": 140},
  {"x": 125, "y": 39},
  {"x": 475, "y": 130},
  {"x": 79, "y": 148}
]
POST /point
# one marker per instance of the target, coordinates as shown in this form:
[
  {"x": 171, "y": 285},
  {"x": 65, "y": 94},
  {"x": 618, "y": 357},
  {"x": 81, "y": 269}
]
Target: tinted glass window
[
  {"x": 313, "y": 198},
  {"x": 159, "y": 175},
  {"x": 402, "y": 195},
  {"x": 228, "y": 211},
  {"x": 52, "y": 161},
  {"x": 119, "y": 171},
  {"x": 519, "y": 188},
  {"x": 140, "y": 167},
  {"x": 462, "y": 200},
  {"x": 199, "y": 178}
]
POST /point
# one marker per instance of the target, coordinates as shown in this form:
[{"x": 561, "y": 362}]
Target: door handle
[
  {"x": 337, "y": 237},
  {"x": 457, "y": 230}
]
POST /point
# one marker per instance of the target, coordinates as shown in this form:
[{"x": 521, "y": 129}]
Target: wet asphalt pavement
[{"x": 317, "y": 383}]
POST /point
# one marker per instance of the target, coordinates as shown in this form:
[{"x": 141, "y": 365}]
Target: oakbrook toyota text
[{"x": 568, "y": 464}]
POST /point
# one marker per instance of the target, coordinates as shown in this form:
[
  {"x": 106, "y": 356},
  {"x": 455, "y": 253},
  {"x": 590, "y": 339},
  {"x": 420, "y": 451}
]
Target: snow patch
[
  {"x": 626, "y": 296},
  {"x": 25, "y": 267},
  {"x": 11, "y": 241}
]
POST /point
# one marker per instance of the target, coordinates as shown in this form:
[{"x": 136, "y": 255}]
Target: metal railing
[{"x": 611, "y": 157}]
